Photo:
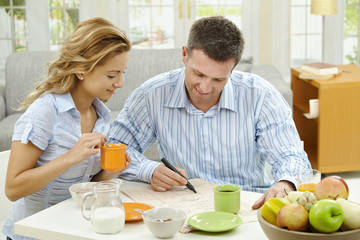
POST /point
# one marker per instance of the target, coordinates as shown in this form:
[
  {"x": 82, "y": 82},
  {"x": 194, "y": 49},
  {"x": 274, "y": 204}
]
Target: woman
[{"x": 56, "y": 141}]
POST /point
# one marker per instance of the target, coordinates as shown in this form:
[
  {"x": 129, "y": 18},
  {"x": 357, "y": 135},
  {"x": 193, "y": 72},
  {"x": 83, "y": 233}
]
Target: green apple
[{"x": 326, "y": 216}]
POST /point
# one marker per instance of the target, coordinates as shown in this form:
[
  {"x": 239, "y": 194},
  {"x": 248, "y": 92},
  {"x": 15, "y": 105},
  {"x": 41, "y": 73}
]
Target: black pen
[{"x": 167, "y": 164}]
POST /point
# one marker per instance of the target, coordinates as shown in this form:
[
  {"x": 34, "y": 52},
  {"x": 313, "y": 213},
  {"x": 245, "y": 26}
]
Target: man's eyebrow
[{"x": 200, "y": 73}]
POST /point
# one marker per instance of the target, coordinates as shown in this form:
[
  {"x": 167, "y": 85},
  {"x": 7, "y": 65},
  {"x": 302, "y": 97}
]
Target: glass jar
[{"x": 107, "y": 213}]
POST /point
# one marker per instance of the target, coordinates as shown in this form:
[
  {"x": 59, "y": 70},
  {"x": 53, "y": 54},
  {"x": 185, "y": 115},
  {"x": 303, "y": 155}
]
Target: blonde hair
[{"x": 91, "y": 43}]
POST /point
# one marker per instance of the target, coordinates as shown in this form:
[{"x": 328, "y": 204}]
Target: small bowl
[
  {"x": 275, "y": 233},
  {"x": 77, "y": 191},
  {"x": 173, "y": 218}
]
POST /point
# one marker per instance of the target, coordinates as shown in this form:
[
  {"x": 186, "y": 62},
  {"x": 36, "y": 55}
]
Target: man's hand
[
  {"x": 163, "y": 178},
  {"x": 279, "y": 190}
]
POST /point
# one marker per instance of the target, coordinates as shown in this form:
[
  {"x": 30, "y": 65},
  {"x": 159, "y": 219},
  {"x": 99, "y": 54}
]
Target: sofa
[{"x": 24, "y": 69}]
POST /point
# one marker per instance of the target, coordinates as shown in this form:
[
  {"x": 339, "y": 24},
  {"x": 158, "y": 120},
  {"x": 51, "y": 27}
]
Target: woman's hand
[{"x": 88, "y": 144}]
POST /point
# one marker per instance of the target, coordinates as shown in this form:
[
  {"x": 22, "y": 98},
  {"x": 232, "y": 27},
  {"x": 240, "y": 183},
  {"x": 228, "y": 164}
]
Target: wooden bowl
[{"x": 275, "y": 233}]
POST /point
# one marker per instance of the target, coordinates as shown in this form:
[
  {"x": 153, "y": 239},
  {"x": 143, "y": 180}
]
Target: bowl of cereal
[
  {"x": 78, "y": 190},
  {"x": 164, "y": 222}
]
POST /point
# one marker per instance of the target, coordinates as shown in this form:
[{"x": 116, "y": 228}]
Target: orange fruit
[{"x": 302, "y": 187}]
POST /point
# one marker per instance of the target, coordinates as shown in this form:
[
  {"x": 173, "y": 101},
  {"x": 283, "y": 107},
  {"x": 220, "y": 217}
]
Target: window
[
  {"x": 12, "y": 13},
  {"x": 13, "y": 30},
  {"x": 351, "y": 31},
  {"x": 306, "y": 33},
  {"x": 230, "y": 9},
  {"x": 64, "y": 15},
  {"x": 152, "y": 24}
]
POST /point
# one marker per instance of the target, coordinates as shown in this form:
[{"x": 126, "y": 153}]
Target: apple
[
  {"x": 271, "y": 208},
  {"x": 341, "y": 180},
  {"x": 331, "y": 187},
  {"x": 351, "y": 214},
  {"x": 326, "y": 216},
  {"x": 293, "y": 216}
]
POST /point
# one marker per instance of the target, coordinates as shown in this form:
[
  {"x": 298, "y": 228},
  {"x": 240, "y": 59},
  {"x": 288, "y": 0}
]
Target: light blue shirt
[
  {"x": 230, "y": 143},
  {"x": 52, "y": 123}
]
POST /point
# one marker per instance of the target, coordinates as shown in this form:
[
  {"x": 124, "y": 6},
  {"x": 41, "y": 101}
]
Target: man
[{"x": 212, "y": 122}]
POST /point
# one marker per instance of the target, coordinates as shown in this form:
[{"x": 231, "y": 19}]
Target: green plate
[{"x": 215, "y": 221}]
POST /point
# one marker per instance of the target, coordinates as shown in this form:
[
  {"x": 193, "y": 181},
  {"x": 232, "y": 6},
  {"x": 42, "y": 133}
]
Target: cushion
[
  {"x": 245, "y": 64},
  {"x": 7, "y": 130}
]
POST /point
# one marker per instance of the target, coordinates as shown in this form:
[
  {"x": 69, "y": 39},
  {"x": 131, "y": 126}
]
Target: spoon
[
  {"x": 107, "y": 145},
  {"x": 157, "y": 219}
]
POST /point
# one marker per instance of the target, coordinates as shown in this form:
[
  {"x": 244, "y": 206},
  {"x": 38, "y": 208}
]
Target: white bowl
[
  {"x": 174, "y": 220},
  {"x": 77, "y": 191}
]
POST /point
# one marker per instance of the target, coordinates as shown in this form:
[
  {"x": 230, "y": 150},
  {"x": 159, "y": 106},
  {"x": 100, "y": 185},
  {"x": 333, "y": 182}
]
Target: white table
[{"x": 64, "y": 221}]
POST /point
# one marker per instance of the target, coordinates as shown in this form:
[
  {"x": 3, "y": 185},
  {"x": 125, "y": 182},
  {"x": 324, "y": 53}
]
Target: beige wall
[{"x": 266, "y": 32}]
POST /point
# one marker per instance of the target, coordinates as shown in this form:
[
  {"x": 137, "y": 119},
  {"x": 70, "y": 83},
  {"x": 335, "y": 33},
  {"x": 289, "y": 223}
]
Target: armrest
[{"x": 2, "y": 103}]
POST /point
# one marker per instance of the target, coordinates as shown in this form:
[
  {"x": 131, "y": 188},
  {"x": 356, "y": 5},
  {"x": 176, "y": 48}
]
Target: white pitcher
[{"x": 107, "y": 213}]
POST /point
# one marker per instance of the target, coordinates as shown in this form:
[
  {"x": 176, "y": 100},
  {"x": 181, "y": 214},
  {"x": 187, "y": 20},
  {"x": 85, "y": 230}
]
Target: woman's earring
[{"x": 81, "y": 78}]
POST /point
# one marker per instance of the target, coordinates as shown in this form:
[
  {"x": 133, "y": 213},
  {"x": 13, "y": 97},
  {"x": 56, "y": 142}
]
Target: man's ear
[{"x": 184, "y": 53}]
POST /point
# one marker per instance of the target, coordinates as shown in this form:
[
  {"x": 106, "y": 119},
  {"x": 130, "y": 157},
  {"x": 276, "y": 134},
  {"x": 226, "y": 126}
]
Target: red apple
[
  {"x": 331, "y": 187},
  {"x": 343, "y": 181},
  {"x": 293, "y": 216}
]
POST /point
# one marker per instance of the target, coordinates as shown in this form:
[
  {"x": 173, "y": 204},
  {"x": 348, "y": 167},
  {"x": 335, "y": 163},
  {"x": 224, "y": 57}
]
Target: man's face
[{"x": 205, "y": 78}]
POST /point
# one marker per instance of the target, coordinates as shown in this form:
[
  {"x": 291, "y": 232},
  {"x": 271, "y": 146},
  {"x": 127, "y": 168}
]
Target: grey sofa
[{"x": 24, "y": 69}]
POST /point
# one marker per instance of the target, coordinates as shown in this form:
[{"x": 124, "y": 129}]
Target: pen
[{"x": 167, "y": 164}]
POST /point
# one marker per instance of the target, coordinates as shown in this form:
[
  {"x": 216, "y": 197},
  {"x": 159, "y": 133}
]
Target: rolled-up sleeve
[{"x": 36, "y": 124}]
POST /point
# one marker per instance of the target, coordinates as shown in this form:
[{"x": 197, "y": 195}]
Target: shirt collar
[
  {"x": 65, "y": 103},
  {"x": 178, "y": 98},
  {"x": 227, "y": 99}
]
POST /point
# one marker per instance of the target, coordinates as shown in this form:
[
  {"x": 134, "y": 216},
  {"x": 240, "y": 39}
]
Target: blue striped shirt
[{"x": 251, "y": 124}]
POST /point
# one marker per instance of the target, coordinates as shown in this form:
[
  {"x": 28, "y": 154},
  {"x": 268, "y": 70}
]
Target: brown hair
[
  {"x": 91, "y": 43},
  {"x": 219, "y": 38}
]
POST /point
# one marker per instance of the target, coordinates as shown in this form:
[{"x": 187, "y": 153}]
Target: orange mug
[{"x": 113, "y": 159}]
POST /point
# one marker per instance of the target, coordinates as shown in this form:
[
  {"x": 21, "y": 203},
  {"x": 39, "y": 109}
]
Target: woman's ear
[{"x": 80, "y": 76}]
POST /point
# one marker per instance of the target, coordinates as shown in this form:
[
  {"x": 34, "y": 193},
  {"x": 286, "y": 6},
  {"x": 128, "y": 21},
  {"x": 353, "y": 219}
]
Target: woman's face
[{"x": 106, "y": 78}]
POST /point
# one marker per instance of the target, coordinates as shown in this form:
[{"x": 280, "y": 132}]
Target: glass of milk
[{"x": 107, "y": 213}]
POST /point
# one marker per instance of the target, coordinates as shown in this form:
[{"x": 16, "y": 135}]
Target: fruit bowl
[{"x": 275, "y": 233}]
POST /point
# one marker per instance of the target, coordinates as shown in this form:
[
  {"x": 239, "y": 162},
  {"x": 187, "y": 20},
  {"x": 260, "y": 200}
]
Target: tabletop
[{"x": 64, "y": 221}]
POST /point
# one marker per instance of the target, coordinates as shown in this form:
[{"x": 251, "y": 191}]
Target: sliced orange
[{"x": 303, "y": 187}]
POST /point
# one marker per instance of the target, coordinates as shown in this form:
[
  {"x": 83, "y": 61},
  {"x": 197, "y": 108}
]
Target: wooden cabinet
[{"x": 332, "y": 141}]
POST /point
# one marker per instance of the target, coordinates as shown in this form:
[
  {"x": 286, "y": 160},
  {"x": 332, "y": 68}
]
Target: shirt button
[
  {"x": 206, "y": 141},
  {"x": 28, "y": 125}
]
